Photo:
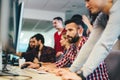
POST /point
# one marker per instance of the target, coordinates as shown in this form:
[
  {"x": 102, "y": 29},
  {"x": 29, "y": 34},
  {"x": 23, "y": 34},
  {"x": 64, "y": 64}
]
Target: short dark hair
[
  {"x": 58, "y": 18},
  {"x": 77, "y": 16},
  {"x": 39, "y": 37},
  {"x": 76, "y": 21}
]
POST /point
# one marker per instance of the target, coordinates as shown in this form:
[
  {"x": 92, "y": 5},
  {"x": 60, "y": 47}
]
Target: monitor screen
[
  {"x": 10, "y": 25},
  {"x": 19, "y": 23}
]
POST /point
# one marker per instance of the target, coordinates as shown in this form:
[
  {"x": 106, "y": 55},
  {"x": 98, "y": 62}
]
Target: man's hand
[
  {"x": 59, "y": 53},
  {"x": 71, "y": 76},
  {"x": 67, "y": 75},
  {"x": 19, "y": 54},
  {"x": 48, "y": 67}
]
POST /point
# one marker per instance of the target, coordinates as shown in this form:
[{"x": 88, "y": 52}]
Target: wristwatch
[{"x": 81, "y": 75}]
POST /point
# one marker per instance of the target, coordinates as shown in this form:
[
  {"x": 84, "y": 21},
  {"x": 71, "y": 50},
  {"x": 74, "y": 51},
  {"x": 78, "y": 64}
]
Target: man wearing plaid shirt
[{"x": 100, "y": 72}]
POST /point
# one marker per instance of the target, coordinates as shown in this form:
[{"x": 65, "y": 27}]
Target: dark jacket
[
  {"x": 30, "y": 55},
  {"x": 47, "y": 54}
]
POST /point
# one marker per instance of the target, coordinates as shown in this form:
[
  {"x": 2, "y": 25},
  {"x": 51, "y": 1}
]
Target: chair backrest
[{"x": 113, "y": 65}]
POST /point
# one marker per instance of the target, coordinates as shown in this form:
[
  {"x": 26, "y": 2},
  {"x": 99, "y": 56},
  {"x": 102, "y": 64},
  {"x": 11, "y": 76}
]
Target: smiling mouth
[{"x": 69, "y": 38}]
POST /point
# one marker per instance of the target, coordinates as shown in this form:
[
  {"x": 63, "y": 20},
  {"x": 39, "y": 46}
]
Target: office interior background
[{"x": 38, "y": 16}]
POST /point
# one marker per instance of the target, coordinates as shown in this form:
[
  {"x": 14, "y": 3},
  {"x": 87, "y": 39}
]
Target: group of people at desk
[
  {"x": 106, "y": 33},
  {"x": 38, "y": 52},
  {"x": 72, "y": 39}
]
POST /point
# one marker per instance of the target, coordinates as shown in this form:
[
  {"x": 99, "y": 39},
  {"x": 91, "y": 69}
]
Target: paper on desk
[{"x": 36, "y": 71}]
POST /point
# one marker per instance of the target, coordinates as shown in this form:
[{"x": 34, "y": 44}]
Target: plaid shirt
[
  {"x": 100, "y": 73},
  {"x": 70, "y": 54}
]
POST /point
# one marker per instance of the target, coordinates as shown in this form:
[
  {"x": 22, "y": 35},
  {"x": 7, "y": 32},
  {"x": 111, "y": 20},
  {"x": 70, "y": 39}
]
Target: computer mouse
[{"x": 24, "y": 66}]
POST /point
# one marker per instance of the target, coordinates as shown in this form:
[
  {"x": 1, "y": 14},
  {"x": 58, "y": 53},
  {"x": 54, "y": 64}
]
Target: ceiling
[
  {"x": 36, "y": 25},
  {"x": 67, "y": 7}
]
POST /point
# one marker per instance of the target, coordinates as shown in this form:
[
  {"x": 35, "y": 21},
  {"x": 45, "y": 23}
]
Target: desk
[{"x": 34, "y": 75}]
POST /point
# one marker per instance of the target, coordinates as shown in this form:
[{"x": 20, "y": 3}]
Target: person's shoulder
[
  {"x": 115, "y": 7},
  {"x": 64, "y": 30},
  {"x": 101, "y": 20},
  {"x": 56, "y": 33},
  {"x": 101, "y": 15},
  {"x": 48, "y": 47}
]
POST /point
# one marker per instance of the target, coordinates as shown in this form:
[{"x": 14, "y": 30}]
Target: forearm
[
  {"x": 61, "y": 63},
  {"x": 103, "y": 46}
]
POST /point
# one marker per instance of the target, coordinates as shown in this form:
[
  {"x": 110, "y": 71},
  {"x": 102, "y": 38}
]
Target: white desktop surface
[{"x": 27, "y": 72}]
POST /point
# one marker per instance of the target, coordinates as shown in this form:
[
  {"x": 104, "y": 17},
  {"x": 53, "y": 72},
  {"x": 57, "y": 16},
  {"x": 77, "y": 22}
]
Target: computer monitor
[{"x": 10, "y": 26}]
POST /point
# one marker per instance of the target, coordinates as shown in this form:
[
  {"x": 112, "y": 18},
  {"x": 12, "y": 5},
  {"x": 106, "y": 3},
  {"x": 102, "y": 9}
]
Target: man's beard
[
  {"x": 33, "y": 46},
  {"x": 74, "y": 40},
  {"x": 37, "y": 47}
]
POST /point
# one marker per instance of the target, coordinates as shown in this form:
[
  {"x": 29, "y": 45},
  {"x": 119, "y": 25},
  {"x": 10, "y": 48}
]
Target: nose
[
  {"x": 87, "y": 5},
  {"x": 67, "y": 34}
]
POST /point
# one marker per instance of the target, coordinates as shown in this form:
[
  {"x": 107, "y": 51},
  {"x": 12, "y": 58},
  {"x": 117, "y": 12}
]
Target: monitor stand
[
  {"x": 0, "y": 57},
  {"x": 3, "y": 67}
]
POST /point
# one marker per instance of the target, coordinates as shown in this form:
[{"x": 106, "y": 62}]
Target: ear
[
  {"x": 80, "y": 31},
  {"x": 40, "y": 42}
]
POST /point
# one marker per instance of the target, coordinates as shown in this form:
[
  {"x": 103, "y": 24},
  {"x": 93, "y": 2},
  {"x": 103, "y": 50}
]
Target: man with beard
[
  {"x": 31, "y": 50},
  {"x": 74, "y": 33},
  {"x": 100, "y": 71},
  {"x": 41, "y": 53},
  {"x": 44, "y": 53}
]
